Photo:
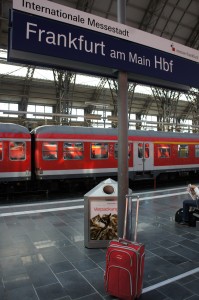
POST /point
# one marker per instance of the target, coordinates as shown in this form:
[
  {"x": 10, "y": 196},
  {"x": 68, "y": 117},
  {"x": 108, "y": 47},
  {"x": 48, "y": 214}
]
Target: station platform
[{"x": 43, "y": 257}]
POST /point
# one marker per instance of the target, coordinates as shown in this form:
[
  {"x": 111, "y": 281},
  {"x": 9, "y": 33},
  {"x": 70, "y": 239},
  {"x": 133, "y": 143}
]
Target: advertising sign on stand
[{"x": 103, "y": 220}]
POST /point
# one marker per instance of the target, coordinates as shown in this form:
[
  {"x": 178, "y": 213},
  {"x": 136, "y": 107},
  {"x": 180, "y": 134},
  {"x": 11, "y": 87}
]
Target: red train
[
  {"x": 15, "y": 153},
  {"x": 59, "y": 153}
]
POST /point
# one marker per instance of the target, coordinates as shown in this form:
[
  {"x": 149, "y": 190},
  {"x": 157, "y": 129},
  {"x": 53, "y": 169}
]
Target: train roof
[
  {"x": 12, "y": 128},
  {"x": 74, "y": 130},
  {"x": 56, "y": 129}
]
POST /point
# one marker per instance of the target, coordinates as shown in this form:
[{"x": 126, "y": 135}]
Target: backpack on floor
[{"x": 179, "y": 216}]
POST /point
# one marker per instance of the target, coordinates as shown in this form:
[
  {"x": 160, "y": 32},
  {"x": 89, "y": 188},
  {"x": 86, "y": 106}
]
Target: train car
[
  {"x": 75, "y": 152},
  {"x": 69, "y": 152},
  {"x": 164, "y": 154},
  {"x": 15, "y": 153},
  {"x": 61, "y": 153}
]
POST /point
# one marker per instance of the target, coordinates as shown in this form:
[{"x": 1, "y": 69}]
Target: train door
[{"x": 143, "y": 156}]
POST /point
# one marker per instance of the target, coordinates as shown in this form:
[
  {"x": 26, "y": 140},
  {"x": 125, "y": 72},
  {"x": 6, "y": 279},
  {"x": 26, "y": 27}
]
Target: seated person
[{"x": 189, "y": 203}]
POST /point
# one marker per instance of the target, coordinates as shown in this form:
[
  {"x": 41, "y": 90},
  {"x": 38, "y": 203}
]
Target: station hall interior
[
  {"x": 42, "y": 95},
  {"x": 42, "y": 239}
]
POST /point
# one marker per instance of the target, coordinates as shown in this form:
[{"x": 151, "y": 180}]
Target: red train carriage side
[
  {"x": 62, "y": 152},
  {"x": 164, "y": 153},
  {"x": 15, "y": 153},
  {"x": 70, "y": 152}
]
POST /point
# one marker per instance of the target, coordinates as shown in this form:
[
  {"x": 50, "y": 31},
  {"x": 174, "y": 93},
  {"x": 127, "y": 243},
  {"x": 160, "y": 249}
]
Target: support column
[{"x": 123, "y": 176}]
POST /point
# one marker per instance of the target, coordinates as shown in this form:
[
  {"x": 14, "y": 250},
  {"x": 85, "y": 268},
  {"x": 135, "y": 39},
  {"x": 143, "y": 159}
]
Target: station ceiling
[{"x": 175, "y": 20}]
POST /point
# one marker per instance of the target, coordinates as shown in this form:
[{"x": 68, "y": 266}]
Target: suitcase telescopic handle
[
  {"x": 125, "y": 218},
  {"x": 136, "y": 218},
  {"x": 127, "y": 208}
]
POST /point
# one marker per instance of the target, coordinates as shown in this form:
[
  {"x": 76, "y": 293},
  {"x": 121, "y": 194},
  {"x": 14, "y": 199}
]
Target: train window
[
  {"x": 99, "y": 150},
  {"x": 140, "y": 150},
  {"x": 49, "y": 150},
  {"x": 17, "y": 150},
  {"x": 143, "y": 150},
  {"x": 164, "y": 151},
  {"x": 183, "y": 151},
  {"x": 1, "y": 150},
  {"x": 196, "y": 150},
  {"x": 146, "y": 150},
  {"x": 73, "y": 150},
  {"x": 116, "y": 151}
]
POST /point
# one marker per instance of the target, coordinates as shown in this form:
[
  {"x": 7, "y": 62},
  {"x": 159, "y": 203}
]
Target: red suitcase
[{"x": 125, "y": 266}]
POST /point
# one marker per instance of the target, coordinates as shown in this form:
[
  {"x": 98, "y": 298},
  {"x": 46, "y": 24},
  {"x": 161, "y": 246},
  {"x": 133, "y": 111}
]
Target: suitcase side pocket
[{"x": 119, "y": 282}]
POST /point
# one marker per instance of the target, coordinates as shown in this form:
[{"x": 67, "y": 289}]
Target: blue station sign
[{"x": 43, "y": 41}]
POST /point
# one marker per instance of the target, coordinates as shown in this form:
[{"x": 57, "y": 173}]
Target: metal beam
[
  {"x": 179, "y": 21},
  {"x": 23, "y": 105},
  {"x": 149, "y": 14},
  {"x": 193, "y": 40},
  {"x": 123, "y": 176},
  {"x": 64, "y": 83},
  {"x": 85, "y": 5},
  {"x": 167, "y": 102}
]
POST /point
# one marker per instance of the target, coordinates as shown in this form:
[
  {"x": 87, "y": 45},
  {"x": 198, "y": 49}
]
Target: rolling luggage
[
  {"x": 125, "y": 265},
  {"x": 192, "y": 217},
  {"x": 179, "y": 215}
]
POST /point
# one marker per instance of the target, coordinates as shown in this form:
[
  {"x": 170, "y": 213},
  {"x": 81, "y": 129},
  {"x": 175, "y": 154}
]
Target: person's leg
[{"x": 186, "y": 206}]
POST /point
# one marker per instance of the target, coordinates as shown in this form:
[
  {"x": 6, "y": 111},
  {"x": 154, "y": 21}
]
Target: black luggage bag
[{"x": 179, "y": 216}]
